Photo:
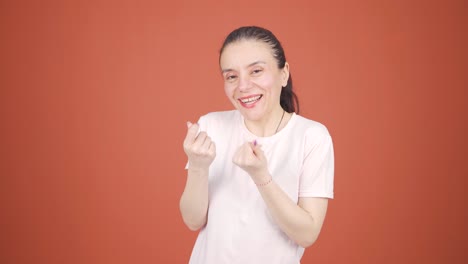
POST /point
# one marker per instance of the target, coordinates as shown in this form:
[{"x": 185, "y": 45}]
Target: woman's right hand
[{"x": 200, "y": 150}]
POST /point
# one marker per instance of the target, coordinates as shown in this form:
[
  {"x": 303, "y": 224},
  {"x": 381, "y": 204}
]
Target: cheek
[
  {"x": 228, "y": 90},
  {"x": 268, "y": 84}
]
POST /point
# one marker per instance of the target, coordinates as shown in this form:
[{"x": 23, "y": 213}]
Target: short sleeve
[
  {"x": 202, "y": 123},
  {"x": 317, "y": 174}
]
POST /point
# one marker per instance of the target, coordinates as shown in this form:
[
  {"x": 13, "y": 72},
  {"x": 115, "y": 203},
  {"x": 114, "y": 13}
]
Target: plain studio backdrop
[{"x": 94, "y": 97}]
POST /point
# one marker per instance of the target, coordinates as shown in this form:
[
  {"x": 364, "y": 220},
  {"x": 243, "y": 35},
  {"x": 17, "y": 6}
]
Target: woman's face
[{"x": 252, "y": 80}]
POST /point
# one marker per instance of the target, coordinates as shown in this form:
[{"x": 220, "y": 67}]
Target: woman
[{"x": 259, "y": 177}]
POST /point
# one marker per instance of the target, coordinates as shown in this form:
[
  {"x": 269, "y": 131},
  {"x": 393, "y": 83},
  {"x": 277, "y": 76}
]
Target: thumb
[{"x": 257, "y": 150}]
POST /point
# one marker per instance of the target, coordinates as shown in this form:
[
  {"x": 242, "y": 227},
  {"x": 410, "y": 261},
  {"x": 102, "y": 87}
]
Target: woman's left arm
[{"x": 302, "y": 222}]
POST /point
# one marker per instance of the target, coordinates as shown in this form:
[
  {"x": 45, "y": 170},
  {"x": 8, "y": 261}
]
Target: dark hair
[{"x": 288, "y": 99}]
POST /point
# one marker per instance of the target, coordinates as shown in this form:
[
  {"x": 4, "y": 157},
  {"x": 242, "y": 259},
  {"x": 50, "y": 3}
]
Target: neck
[{"x": 270, "y": 124}]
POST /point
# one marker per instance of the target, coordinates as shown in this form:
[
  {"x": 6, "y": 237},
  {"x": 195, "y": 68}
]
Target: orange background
[{"x": 95, "y": 96}]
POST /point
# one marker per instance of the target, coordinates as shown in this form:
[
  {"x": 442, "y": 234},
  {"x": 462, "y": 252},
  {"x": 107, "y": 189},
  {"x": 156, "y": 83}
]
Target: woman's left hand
[{"x": 250, "y": 158}]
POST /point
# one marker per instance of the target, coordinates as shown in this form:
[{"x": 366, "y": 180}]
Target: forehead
[{"x": 244, "y": 52}]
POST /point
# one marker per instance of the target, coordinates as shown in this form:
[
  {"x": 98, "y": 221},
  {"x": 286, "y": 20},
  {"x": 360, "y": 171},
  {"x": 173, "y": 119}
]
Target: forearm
[
  {"x": 300, "y": 226},
  {"x": 194, "y": 199}
]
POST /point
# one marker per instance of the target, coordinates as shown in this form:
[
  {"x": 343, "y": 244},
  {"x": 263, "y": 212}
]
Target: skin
[{"x": 249, "y": 70}]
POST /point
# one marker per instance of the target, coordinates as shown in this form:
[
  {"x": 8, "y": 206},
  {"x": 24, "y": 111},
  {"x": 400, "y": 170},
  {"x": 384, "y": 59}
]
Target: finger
[
  {"x": 206, "y": 144},
  {"x": 192, "y": 130},
  {"x": 200, "y": 140},
  {"x": 258, "y": 152},
  {"x": 212, "y": 149},
  {"x": 252, "y": 145},
  {"x": 245, "y": 153}
]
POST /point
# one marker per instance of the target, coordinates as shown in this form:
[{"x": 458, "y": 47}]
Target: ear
[{"x": 285, "y": 74}]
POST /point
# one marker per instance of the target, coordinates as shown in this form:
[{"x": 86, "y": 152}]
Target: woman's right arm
[{"x": 201, "y": 152}]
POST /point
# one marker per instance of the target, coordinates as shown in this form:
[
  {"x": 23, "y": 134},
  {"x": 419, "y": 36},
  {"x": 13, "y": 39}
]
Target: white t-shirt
[{"x": 239, "y": 227}]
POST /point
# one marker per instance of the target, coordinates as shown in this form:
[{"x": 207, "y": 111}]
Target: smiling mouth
[{"x": 250, "y": 100}]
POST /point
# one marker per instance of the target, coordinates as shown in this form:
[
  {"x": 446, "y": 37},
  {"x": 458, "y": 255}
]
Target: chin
[{"x": 250, "y": 114}]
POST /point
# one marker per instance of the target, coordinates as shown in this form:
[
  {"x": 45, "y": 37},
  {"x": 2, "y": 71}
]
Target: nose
[{"x": 244, "y": 83}]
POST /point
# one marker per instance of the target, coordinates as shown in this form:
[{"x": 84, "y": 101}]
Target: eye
[
  {"x": 230, "y": 77},
  {"x": 256, "y": 71}
]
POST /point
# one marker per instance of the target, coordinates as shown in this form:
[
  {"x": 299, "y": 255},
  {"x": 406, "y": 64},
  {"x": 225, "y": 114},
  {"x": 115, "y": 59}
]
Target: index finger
[{"x": 192, "y": 132}]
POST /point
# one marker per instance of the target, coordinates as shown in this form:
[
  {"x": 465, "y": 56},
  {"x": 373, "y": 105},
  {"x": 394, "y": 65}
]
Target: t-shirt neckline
[{"x": 250, "y": 136}]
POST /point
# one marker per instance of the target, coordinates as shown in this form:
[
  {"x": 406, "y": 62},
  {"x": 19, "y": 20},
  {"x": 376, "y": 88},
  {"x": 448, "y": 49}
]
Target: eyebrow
[{"x": 250, "y": 65}]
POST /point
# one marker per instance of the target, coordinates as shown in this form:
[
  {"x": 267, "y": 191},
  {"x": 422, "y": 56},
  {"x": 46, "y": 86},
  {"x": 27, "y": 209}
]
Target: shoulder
[
  {"x": 315, "y": 135},
  {"x": 311, "y": 128},
  {"x": 317, "y": 142}
]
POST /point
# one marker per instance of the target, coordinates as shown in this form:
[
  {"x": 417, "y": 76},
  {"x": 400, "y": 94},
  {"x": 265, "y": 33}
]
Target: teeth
[{"x": 250, "y": 99}]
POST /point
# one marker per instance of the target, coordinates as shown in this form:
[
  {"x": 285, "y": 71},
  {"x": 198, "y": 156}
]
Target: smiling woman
[
  {"x": 253, "y": 82},
  {"x": 260, "y": 176}
]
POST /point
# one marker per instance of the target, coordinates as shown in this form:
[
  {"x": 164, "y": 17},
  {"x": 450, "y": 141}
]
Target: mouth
[{"x": 250, "y": 101}]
